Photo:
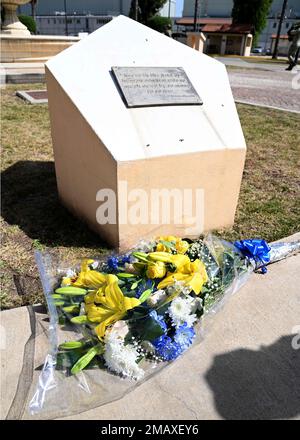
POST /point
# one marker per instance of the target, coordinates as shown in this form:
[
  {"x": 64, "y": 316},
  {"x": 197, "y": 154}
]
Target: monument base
[{"x": 20, "y": 48}]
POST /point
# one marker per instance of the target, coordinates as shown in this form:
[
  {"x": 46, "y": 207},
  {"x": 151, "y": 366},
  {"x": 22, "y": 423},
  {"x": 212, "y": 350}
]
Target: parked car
[{"x": 257, "y": 50}]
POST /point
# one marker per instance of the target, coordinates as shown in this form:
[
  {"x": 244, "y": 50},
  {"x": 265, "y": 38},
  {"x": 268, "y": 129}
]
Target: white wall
[{"x": 97, "y": 7}]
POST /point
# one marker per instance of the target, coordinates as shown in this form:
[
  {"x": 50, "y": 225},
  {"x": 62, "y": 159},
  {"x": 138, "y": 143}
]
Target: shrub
[
  {"x": 159, "y": 23},
  {"x": 28, "y": 22}
]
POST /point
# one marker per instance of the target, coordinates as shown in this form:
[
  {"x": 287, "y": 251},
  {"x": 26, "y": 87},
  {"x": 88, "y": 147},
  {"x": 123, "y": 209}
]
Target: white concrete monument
[{"x": 146, "y": 135}]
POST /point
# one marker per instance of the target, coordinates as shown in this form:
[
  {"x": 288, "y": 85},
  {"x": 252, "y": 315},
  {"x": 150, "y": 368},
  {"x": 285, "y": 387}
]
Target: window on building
[
  {"x": 48, "y": 21},
  {"x": 287, "y": 25},
  {"x": 274, "y": 25},
  {"x": 69, "y": 20},
  {"x": 54, "y": 20},
  {"x": 78, "y": 20}
]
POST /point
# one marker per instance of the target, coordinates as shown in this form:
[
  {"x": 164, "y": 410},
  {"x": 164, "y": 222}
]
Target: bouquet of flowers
[{"x": 132, "y": 312}]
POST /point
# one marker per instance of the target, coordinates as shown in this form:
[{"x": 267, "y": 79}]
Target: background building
[
  {"x": 223, "y": 8},
  {"x": 82, "y": 15}
]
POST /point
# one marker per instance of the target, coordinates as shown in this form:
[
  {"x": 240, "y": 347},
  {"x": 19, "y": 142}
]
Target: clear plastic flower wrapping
[{"x": 54, "y": 392}]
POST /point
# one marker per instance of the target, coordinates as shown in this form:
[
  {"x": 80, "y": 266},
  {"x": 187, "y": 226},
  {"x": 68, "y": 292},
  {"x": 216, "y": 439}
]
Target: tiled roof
[
  {"x": 228, "y": 28},
  {"x": 203, "y": 20}
]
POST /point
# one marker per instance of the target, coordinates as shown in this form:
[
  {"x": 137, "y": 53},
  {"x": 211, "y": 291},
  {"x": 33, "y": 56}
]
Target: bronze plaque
[{"x": 152, "y": 86}]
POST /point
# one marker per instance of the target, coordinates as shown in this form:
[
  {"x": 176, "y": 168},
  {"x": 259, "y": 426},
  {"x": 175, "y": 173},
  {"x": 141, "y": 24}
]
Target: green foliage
[
  {"x": 252, "y": 12},
  {"x": 86, "y": 358},
  {"x": 159, "y": 23},
  {"x": 146, "y": 9},
  {"x": 146, "y": 329},
  {"x": 28, "y": 22}
]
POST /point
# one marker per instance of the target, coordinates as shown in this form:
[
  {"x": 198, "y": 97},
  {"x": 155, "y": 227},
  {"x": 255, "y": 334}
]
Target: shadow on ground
[
  {"x": 262, "y": 384},
  {"x": 30, "y": 200}
]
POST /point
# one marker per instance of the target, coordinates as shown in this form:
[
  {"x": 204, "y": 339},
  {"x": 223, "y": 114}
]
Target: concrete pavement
[
  {"x": 247, "y": 367},
  {"x": 245, "y": 63}
]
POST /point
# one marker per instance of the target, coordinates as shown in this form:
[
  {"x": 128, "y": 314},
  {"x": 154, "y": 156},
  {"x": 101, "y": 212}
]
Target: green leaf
[
  {"x": 71, "y": 345},
  {"x": 145, "y": 295},
  {"x": 59, "y": 303},
  {"x": 56, "y": 296},
  {"x": 147, "y": 329},
  {"x": 86, "y": 359},
  {"x": 71, "y": 309},
  {"x": 125, "y": 275},
  {"x": 141, "y": 256},
  {"x": 169, "y": 244},
  {"x": 80, "y": 319},
  {"x": 71, "y": 290}
]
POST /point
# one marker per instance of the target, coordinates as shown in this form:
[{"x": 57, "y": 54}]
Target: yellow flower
[
  {"x": 66, "y": 281},
  {"x": 176, "y": 259},
  {"x": 156, "y": 270},
  {"x": 161, "y": 247},
  {"x": 89, "y": 278},
  {"x": 193, "y": 274},
  {"x": 181, "y": 246},
  {"x": 111, "y": 305}
]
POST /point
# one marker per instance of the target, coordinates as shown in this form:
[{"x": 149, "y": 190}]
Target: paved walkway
[
  {"x": 245, "y": 63},
  {"x": 246, "y": 367},
  {"x": 278, "y": 88}
]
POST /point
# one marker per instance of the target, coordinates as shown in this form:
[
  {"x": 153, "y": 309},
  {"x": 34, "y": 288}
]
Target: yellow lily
[
  {"x": 89, "y": 278},
  {"x": 178, "y": 260},
  {"x": 156, "y": 269},
  {"x": 181, "y": 246},
  {"x": 193, "y": 274},
  {"x": 112, "y": 306}
]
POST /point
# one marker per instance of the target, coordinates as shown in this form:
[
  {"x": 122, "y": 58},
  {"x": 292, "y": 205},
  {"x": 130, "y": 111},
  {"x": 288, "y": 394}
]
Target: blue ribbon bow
[{"x": 256, "y": 250}]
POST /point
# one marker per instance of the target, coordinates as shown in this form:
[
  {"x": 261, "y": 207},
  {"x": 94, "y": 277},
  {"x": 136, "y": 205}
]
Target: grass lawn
[{"x": 32, "y": 217}]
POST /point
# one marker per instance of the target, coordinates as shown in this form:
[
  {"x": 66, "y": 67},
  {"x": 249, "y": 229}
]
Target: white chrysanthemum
[
  {"x": 181, "y": 311},
  {"x": 121, "y": 358}
]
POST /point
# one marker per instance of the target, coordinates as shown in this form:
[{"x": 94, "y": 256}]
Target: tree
[
  {"x": 146, "y": 9},
  {"x": 160, "y": 24},
  {"x": 253, "y": 12},
  {"x": 29, "y": 22}
]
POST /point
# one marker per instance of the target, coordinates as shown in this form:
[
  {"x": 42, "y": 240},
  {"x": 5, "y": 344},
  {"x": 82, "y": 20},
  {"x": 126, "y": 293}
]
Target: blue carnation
[
  {"x": 112, "y": 263},
  {"x": 184, "y": 336},
  {"x": 125, "y": 259},
  {"x": 159, "y": 319},
  {"x": 167, "y": 349}
]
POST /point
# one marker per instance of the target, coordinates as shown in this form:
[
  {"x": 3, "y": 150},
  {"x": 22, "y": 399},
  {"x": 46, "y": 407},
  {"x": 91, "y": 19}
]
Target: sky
[{"x": 179, "y": 7}]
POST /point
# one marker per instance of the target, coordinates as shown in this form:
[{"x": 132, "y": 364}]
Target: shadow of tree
[
  {"x": 30, "y": 200},
  {"x": 257, "y": 385}
]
